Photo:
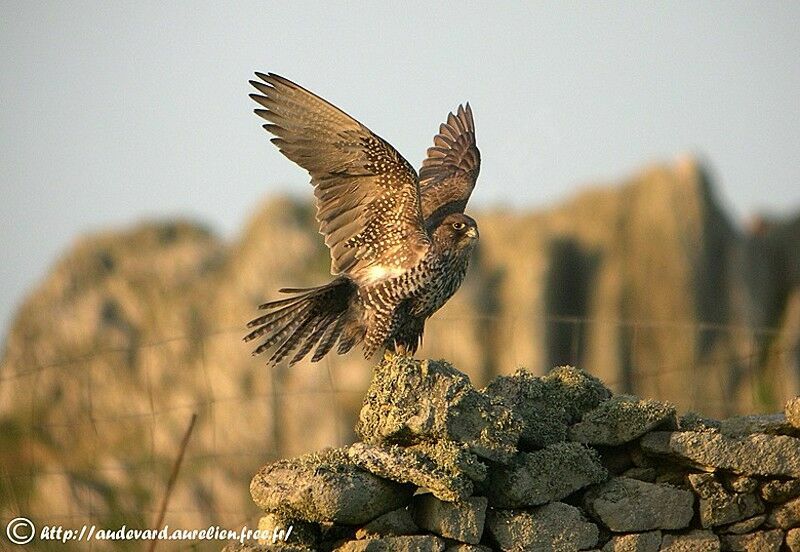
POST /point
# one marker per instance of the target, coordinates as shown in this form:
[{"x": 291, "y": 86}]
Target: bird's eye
[{"x": 458, "y": 225}]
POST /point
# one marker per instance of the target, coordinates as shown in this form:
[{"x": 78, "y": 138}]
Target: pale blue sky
[{"x": 114, "y": 112}]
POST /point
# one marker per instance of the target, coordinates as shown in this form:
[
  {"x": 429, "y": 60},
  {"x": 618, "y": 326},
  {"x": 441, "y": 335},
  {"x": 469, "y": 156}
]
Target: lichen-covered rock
[
  {"x": 394, "y": 523},
  {"x": 462, "y": 521},
  {"x": 785, "y": 515},
  {"x": 634, "y": 542},
  {"x": 621, "y": 419},
  {"x": 692, "y": 421},
  {"x": 326, "y": 487},
  {"x": 793, "y": 540},
  {"x": 693, "y": 541},
  {"x": 780, "y": 490},
  {"x": 415, "y": 543},
  {"x": 446, "y": 468},
  {"x": 460, "y": 547},
  {"x": 746, "y": 525},
  {"x": 642, "y": 474},
  {"x": 629, "y": 505},
  {"x": 410, "y": 401},
  {"x": 774, "y": 424},
  {"x": 535, "y": 478},
  {"x": 756, "y": 454},
  {"x": 718, "y": 506},
  {"x": 556, "y": 527},
  {"x": 256, "y": 547},
  {"x": 294, "y": 531},
  {"x": 792, "y": 412},
  {"x": 760, "y": 541},
  {"x": 739, "y": 483},
  {"x": 544, "y": 416},
  {"x": 548, "y": 405}
]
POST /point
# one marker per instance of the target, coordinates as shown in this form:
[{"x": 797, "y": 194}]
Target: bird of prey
[{"x": 399, "y": 242}]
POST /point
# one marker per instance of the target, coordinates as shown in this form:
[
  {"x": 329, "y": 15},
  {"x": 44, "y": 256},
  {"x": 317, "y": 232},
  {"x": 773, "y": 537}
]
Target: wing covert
[{"x": 367, "y": 195}]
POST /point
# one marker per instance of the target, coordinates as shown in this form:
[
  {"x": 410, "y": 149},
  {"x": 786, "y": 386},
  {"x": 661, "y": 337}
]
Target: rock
[
  {"x": 642, "y": 474},
  {"x": 325, "y": 487},
  {"x": 693, "y": 541},
  {"x": 396, "y": 522},
  {"x": 792, "y": 412},
  {"x": 444, "y": 467},
  {"x": 460, "y": 547},
  {"x": 793, "y": 540},
  {"x": 621, "y": 419},
  {"x": 634, "y": 542},
  {"x": 462, "y": 521},
  {"x": 692, "y": 421},
  {"x": 779, "y": 490},
  {"x": 577, "y": 390},
  {"x": 739, "y": 483},
  {"x": 255, "y": 547},
  {"x": 416, "y": 543},
  {"x": 301, "y": 533},
  {"x": 535, "y": 478},
  {"x": 410, "y": 401},
  {"x": 718, "y": 506},
  {"x": 760, "y": 541},
  {"x": 629, "y": 505},
  {"x": 753, "y": 454},
  {"x": 785, "y": 515},
  {"x": 746, "y": 525},
  {"x": 775, "y": 424},
  {"x": 556, "y": 527},
  {"x": 548, "y": 405}
]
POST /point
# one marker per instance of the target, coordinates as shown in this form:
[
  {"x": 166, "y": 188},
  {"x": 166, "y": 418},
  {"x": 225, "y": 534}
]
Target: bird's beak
[{"x": 472, "y": 232}]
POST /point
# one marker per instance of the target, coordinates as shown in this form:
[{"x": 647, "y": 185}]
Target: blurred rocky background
[{"x": 648, "y": 284}]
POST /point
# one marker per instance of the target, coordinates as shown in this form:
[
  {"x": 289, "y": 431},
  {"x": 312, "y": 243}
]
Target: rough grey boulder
[
  {"x": 629, "y": 505},
  {"x": 756, "y": 454},
  {"x": 634, "y": 542},
  {"x": 326, "y": 487},
  {"x": 780, "y": 490},
  {"x": 556, "y": 527},
  {"x": 410, "y": 401},
  {"x": 693, "y": 541},
  {"x": 785, "y": 515},
  {"x": 394, "y": 523},
  {"x": 446, "y": 468},
  {"x": 534, "y": 478},
  {"x": 548, "y": 405},
  {"x": 792, "y": 411},
  {"x": 718, "y": 506},
  {"x": 621, "y": 419},
  {"x": 415, "y": 543},
  {"x": 760, "y": 541},
  {"x": 793, "y": 540},
  {"x": 774, "y": 424},
  {"x": 746, "y": 525},
  {"x": 462, "y": 521}
]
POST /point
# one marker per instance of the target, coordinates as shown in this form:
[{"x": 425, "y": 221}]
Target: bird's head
[{"x": 457, "y": 231}]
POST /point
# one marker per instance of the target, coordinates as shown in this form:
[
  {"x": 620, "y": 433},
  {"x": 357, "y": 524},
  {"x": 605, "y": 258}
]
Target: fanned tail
[{"x": 311, "y": 316}]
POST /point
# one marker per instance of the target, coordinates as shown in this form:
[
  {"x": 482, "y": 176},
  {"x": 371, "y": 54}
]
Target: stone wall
[{"x": 552, "y": 463}]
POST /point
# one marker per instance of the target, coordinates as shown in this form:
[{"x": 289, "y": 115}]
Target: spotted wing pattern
[
  {"x": 451, "y": 168},
  {"x": 367, "y": 194}
]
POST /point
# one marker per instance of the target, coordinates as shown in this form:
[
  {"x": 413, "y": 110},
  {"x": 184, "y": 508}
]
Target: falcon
[{"x": 399, "y": 242}]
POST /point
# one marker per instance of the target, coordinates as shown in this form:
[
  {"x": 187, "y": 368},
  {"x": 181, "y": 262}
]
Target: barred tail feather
[{"x": 300, "y": 322}]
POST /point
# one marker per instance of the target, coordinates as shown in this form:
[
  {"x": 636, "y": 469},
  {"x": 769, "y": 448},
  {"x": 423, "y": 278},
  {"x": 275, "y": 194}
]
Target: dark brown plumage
[{"x": 400, "y": 244}]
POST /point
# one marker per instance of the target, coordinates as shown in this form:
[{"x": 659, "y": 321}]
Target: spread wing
[
  {"x": 368, "y": 201},
  {"x": 448, "y": 175}
]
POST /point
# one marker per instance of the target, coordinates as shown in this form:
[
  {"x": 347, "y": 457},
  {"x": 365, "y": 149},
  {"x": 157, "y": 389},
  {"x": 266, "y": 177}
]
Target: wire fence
[{"x": 93, "y": 438}]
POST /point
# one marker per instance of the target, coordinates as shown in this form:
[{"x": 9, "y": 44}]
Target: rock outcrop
[{"x": 625, "y": 474}]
